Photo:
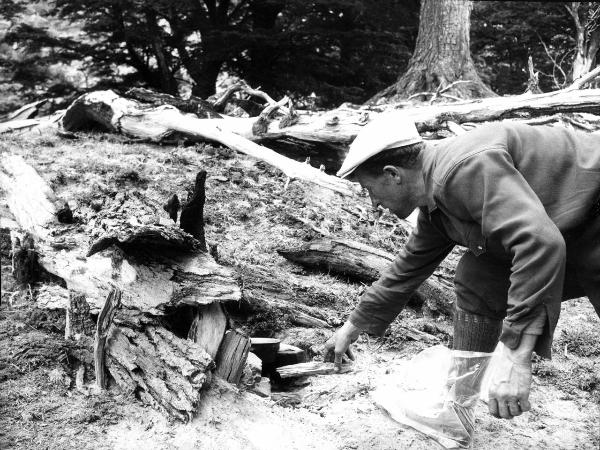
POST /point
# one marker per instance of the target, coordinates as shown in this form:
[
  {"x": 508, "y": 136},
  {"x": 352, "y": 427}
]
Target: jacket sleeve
[
  {"x": 487, "y": 187},
  {"x": 382, "y": 302}
]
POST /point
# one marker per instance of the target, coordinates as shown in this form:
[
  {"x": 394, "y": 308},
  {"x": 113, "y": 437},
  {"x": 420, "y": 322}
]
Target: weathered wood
[
  {"x": 311, "y": 368},
  {"x": 116, "y": 113},
  {"x": 192, "y": 214},
  {"x": 162, "y": 369},
  {"x": 267, "y": 295},
  {"x": 78, "y": 321},
  {"x": 208, "y": 328},
  {"x": 26, "y": 112},
  {"x": 131, "y": 220},
  {"x": 366, "y": 263},
  {"x": 232, "y": 356},
  {"x": 151, "y": 281},
  {"x": 51, "y": 296},
  {"x": 105, "y": 320}
]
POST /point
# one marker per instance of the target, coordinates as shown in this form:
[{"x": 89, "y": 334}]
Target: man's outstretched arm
[{"x": 385, "y": 299}]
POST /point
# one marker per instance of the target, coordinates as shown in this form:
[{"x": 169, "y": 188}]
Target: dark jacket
[{"x": 511, "y": 190}]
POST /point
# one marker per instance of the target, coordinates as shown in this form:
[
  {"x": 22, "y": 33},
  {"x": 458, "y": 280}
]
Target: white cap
[{"x": 390, "y": 130}]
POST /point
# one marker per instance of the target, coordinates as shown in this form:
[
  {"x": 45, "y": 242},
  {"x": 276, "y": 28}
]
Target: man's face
[{"x": 396, "y": 189}]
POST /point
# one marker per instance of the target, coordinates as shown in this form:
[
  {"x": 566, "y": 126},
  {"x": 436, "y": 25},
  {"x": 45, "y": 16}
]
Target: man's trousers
[{"x": 482, "y": 284}]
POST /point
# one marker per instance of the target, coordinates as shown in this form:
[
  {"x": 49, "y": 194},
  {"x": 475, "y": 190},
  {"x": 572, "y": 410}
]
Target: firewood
[
  {"x": 311, "y": 368},
  {"x": 208, "y": 328},
  {"x": 232, "y": 356}
]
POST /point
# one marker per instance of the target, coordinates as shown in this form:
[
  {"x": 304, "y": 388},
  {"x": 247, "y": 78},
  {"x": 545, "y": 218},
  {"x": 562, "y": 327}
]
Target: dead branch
[{"x": 105, "y": 319}]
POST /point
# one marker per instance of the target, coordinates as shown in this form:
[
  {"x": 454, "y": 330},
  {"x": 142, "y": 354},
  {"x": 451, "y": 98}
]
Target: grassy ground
[{"x": 249, "y": 215}]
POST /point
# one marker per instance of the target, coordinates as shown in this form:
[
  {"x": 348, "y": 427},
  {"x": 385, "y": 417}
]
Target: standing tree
[
  {"x": 442, "y": 55},
  {"x": 586, "y": 16}
]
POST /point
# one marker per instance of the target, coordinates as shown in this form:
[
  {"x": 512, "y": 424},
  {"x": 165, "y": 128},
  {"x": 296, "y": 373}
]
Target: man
[{"x": 523, "y": 200}]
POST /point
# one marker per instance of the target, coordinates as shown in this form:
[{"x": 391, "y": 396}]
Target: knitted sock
[{"x": 475, "y": 333}]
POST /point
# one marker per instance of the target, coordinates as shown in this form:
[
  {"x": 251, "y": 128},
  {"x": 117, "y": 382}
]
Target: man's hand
[
  {"x": 510, "y": 379},
  {"x": 339, "y": 344}
]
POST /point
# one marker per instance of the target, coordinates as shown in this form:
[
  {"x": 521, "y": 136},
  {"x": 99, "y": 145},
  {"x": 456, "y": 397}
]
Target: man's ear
[{"x": 394, "y": 172}]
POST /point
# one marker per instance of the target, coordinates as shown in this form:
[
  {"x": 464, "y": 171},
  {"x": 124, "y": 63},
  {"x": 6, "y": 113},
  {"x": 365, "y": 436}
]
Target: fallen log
[
  {"x": 366, "y": 263},
  {"x": 278, "y": 302},
  {"x": 107, "y": 109},
  {"x": 151, "y": 281},
  {"x": 142, "y": 355}
]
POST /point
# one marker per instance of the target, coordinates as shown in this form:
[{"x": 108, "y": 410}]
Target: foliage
[
  {"x": 341, "y": 50},
  {"x": 335, "y": 50},
  {"x": 505, "y": 34}
]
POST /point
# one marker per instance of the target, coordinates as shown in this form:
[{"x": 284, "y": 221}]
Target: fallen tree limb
[
  {"x": 105, "y": 319},
  {"x": 26, "y": 112},
  {"x": 366, "y": 263},
  {"x": 126, "y": 116}
]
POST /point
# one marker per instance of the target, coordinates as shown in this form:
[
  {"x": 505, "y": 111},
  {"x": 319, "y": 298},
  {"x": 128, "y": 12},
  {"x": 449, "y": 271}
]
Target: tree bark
[
  {"x": 162, "y": 369},
  {"x": 442, "y": 55}
]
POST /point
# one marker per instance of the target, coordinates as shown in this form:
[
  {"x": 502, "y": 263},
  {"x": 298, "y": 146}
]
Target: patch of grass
[{"x": 582, "y": 341}]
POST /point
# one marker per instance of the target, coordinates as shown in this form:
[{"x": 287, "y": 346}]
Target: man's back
[{"x": 561, "y": 166}]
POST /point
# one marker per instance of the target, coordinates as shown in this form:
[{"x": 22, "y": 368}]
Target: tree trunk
[
  {"x": 442, "y": 55},
  {"x": 587, "y": 39}
]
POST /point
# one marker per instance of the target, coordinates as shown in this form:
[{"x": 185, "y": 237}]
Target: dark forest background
[{"x": 321, "y": 53}]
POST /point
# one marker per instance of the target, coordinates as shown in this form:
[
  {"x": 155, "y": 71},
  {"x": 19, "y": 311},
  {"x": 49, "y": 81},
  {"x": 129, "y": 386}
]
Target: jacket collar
[{"x": 428, "y": 162}]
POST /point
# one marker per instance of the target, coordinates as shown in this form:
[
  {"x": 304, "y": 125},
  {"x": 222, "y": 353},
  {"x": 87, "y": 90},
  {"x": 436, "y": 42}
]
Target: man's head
[{"x": 385, "y": 158}]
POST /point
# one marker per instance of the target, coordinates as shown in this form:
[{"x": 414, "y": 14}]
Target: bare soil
[{"x": 249, "y": 214}]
